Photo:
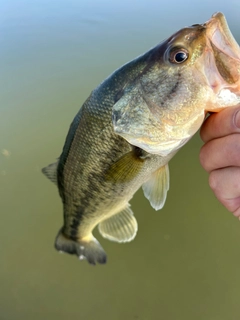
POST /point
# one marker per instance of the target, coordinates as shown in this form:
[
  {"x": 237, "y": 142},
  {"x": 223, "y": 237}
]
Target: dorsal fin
[{"x": 51, "y": 171}]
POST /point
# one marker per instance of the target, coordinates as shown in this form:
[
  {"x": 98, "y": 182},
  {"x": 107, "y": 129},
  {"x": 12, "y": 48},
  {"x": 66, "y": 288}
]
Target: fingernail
[{"x": 237, "y": 119}]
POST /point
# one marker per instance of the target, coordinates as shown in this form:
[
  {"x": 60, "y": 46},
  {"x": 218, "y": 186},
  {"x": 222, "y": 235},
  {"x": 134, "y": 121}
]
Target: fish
[{"x": 130, "y": 127}]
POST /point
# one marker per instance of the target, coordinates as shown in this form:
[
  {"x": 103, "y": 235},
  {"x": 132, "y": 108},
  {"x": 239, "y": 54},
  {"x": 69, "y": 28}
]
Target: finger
[
  {"x": 225, "y": 184},
  {"x": 221, "y": 152},
  {"x": 221, "y": 124}
]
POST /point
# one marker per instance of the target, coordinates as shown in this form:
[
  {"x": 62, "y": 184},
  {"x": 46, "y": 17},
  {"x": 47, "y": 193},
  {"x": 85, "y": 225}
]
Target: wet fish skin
[
  {"x": 88, "y": 187},
  {"x": 131, "y": 126}
]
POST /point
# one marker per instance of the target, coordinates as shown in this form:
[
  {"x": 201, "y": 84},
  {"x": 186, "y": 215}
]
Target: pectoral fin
[
  {"x": 125, "y": 169},
  {"x": 51, "y": 172},
  {"x": 122, "y": 227},
  {"x": 156, "y": 188}
]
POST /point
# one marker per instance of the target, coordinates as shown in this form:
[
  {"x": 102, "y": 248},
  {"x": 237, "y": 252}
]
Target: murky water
[{"x": 184, "y": 263}]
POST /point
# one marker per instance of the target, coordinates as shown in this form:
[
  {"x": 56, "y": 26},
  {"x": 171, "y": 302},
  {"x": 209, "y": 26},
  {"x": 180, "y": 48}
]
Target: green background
[{"x": 184, "y": 263}]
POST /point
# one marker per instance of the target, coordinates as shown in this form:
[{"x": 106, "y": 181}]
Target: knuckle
[
  {"x": 233, "y": 149},
  {"x": 236, "y": 119},
  {"x": 212, "y": 180},
  {"x": 203, "y": 158}
]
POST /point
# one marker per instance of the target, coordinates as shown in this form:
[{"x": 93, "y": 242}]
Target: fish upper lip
[
  {"x": 222, "y": 53},
  {"x": 220, "y": 35}
]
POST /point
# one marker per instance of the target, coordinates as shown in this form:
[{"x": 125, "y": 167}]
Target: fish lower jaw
[{"x": 226, "y": 98}]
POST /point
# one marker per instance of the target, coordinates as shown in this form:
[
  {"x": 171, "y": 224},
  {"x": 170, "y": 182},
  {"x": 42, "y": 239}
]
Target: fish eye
[{"x": 178, "y": 56}]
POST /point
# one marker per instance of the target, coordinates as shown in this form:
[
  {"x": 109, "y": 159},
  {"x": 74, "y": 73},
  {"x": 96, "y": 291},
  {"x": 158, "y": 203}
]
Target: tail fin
[{"x": 90, "y": 250}]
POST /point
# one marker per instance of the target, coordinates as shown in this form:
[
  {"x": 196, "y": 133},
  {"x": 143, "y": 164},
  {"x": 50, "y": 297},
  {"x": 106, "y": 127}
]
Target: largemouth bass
[{"x": 132, "y": 124}]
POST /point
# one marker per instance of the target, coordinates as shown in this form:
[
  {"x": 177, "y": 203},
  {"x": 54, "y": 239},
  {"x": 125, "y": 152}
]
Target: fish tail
[{"x": 90, "y": 249}]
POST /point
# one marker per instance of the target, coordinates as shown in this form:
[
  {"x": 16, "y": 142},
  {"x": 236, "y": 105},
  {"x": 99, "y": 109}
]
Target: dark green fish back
[
  {"x": 99, "y": 171},
  {"x": 91, "y": 147}
]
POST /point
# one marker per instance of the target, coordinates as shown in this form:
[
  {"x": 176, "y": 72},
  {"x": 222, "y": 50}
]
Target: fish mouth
[
  {"x": 221, "y": 37},
  {"x": 222, "y": 61}
]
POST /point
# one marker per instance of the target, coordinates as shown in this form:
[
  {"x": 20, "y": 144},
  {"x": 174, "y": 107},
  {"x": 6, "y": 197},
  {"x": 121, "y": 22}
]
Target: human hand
[{"x": 220, "y": 156}]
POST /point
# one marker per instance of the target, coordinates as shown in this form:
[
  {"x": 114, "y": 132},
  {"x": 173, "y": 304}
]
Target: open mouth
[
  {"x": 222, "y": 62},
  {"x": 220, "y": 35}
]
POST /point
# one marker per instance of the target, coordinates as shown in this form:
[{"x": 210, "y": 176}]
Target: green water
[{"x": 184, "y": 263}]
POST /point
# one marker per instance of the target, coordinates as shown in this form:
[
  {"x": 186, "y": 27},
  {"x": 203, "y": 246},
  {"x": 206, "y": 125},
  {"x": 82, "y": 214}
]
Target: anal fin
[
  {"x": 156, "y": 188},
  {"x": 121, "y": 227}
]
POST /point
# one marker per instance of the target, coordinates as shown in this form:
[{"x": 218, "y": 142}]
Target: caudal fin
[{"x": 89, "y": 250}]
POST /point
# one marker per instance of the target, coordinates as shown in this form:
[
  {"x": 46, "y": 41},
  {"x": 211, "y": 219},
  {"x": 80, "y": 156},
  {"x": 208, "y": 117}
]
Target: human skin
[{"x": 220, "y": 156}]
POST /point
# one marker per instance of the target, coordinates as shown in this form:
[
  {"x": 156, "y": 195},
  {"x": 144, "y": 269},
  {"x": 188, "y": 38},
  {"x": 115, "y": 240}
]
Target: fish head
[{"x": 194, "y": 71}]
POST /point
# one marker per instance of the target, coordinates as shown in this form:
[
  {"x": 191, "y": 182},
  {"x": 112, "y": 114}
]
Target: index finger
[{"x": 221, "y": 124}]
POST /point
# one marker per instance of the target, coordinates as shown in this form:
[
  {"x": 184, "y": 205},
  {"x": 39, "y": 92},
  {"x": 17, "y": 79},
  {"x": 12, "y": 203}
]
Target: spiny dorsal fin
[
  {"x": 156, "y": 188},
  {"x": 125, "y": 169},
  {"x": 51, "y": 171},
  {"x": 122, "y": 227}
]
